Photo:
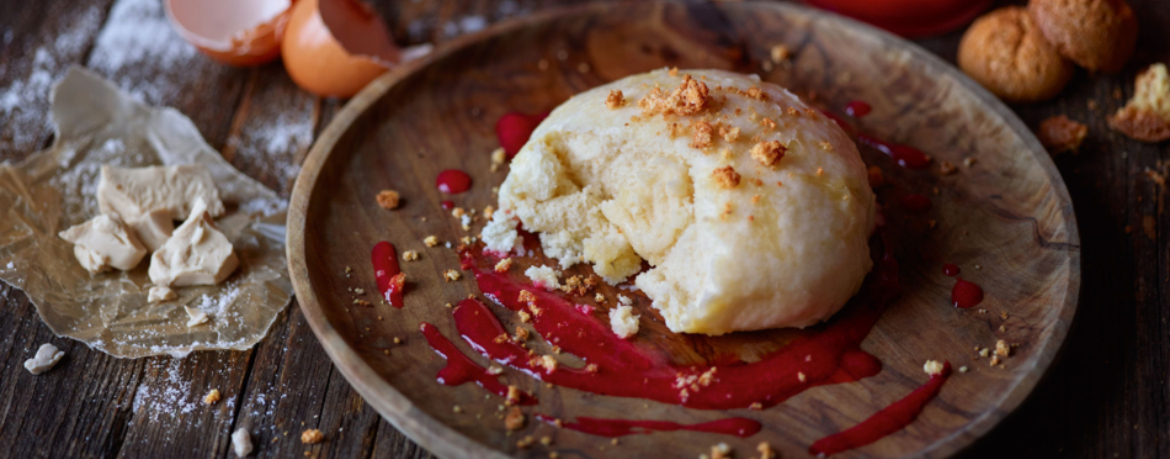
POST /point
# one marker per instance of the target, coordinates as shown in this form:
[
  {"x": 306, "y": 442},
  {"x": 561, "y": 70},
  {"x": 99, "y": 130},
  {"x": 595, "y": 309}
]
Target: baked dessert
[
  {"x": 1098, "y": 35},
  {"x": 1147, "y": 115},
  {"x": 1006, "y": 53},
  {"x": 752, "y": 208}
]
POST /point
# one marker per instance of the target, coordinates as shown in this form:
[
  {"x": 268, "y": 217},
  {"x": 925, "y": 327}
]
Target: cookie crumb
[
  {"x": 410, "y": 255},
  {"x": 933, "y": 367},
  {"x": 431, "y": 241},
  {"x": 615, "y": 99},
  {"x": 769, "y": 153},
  {"x": 726, "y": 177},
  {"x": 211, "y": 397},
  {"x": 780, "y": 53},
  {"x": 451, "y": 275},
  {"x": 312, "y": 437},
  {"x": 387, "y": 199},
  {"x": 766, "y": 451},
  {"x": 515, "y": 419},
  {"x": 1059, "y": 134},
  {"x": 946, "y": 168}
]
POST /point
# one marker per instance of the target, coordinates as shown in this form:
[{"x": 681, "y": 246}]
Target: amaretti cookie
[
  {"x": 1098, "y": 35},
  {"x": 1007, "y": 54},
  {"x": 753, "y": 209}
]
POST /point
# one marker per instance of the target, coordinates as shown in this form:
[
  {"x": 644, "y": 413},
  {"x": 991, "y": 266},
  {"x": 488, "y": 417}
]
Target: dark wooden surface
[{"x": 1108, "y": 396}]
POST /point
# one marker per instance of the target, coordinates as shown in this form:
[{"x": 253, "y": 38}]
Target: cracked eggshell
[
  {"x": 234, "y": 32},
  {"x": 336, "y": 47}
]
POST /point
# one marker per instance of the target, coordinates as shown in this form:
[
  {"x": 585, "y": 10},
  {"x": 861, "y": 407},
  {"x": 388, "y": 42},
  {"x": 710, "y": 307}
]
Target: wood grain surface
[
  {"x": 1106, "y": 397},
  {"x": 1006, "y": 209}
]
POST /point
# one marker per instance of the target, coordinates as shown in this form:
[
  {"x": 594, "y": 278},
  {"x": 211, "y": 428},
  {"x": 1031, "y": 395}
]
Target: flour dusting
[{"x": 137, "y": 36}]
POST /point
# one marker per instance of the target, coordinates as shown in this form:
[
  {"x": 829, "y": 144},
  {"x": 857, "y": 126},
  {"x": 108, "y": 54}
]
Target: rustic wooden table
[{"x": 1107, "y": 396}]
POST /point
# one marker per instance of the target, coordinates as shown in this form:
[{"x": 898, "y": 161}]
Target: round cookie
[
  {"x": 1006, "y": 53},
  {"x": 1096, "y": 34}
]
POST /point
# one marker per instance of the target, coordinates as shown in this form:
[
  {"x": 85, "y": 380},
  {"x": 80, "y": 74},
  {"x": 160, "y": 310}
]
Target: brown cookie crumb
[
  {"x": 702, "y": 134},
  {"x": 504, "y": 265},
  {"x": 211, "y": 397},
  {"x": 946, "y": 168},
  {"x": 689, "y": 98},
  {"x": 1008, "y": 55},
  {"x": 387, "y": 199},
  {"x": 1059, "y": 134},
  {"x": 1147, "y": 115},
  {"x": 615, "y": 99},
  {"x": 515, "y": 419},
  {"x": 769, "y": 153},
  {"x": 726, "y": 177},
  {"x": 312, "y": 437}
]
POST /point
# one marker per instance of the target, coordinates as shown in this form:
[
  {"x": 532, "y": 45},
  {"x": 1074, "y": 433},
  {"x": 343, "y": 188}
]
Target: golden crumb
[
  {"x": 488, "y": 212},
  {"x": 729, "y": 134},
  {"x": 984, "y": 352},
  {"x": 766, "y": 451},
  {"x": 615, "y": 99},
  {"x": 498, "y": 158},
  {"x": 800, "y": 376},
  {"x": 431, "y": 241},
  {"x": 211, "y": 397},
  {"x": 689, "y": 98},
  {"x": 721, "y": 451},
  {"x": 397, "y": 340},
  {"x": 994, "y": 361},
  {"x": 546, "y": 440},
  {"x": 768, "y": 124},
  {"x": 599, "y": 298},
  {"x": 756, "y": 93},
  {"x": 513, "y": 396},
  {"x": 756, "y": 406},
  {"x": 755, "y": 198},
  {"x": 514, "y": 420},
  {"x": 702, "y": 134},
  {"x": 387, "y": 199},
  {"x": 591, "y": 368},
  {"x": 521, "y": 333},
  {"x": 946, "y": 168},
  {"x": 780, "y": 53},
  {"x": 549, "y": 363},
  {"x": 504, "y": 265},
  {"x": 312, "y": 437},
  {"x": 933, "y": 367},
  {"x": 526, "y": 296},
  {"x": 1002, "y": 348},
  {"x": 524, "y": 316},
  {"x": 458, "y": 212},
  {"x": 969, "y": 161},
  {"x": 525, "y": 442},
  {"x": 553, "y": 455},
  {"x": 410, "y": 255},
  {"x": 769, "y": 153},
  {"x": 451, "y": 275},
  {"x": 673, "y": 71},
  {"x": 726, "y": 177}
]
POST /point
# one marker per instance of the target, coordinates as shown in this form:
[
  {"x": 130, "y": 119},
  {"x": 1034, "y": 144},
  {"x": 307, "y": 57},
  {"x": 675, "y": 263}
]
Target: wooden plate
[{"x": 1005, "y": 219}]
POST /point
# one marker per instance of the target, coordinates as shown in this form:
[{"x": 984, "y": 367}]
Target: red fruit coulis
[
  {"x": 389, "y": 278},
  {"x": 453, "y": 181},
  {"x": 887, "y": 421},
  {"x": 916, "y": 203},
  {"x": 740, "y": 427},
  {"x": 447, "y": 205},
  {"x": 857, "y": 108},
  {"x": 966, "y": 294},
  {"x": 831, "y": 355},
  {"x": 461, "y": 369},
  {"x": 950, "y": 270},
  {"x": 905, "y": 155},
  {"x": 514, "y": 129}
]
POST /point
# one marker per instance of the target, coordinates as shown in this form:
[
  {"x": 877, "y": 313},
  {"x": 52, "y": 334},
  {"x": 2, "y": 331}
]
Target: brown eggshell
[
  {"x": 336, "y": 47},
  {"x": 235, "y": 32}
]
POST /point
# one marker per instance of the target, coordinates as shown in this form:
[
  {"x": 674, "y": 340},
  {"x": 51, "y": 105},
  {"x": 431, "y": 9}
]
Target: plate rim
[{"x": 446, "y": 442}]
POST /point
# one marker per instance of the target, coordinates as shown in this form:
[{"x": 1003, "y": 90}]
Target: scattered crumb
[
  {"x": 387, "y": 199},
  {"x": 410, "y": 255},
  {"x": 933, "y": 367},
  {"x": 397, "y": 340},
  {"x": 994, "y": 361},
  {"x": 488, "y": 212},
  {"x": 623, "y": 322},
  {"x": 451, "y": 275},
  {"x": 1002, "y": 348},
  {"x": 800, "y": 376},
  {"x": 513, "y": 396},
  {"x": 498, "y": 159},
  {"x": 431, "y": 241},
  {"x": 756, "y": 406},
  {"x": 780, "y": 53},
  {"x": 963, "y": 369},
  {"x": 521, "y": 333},
  {"x": 726, "y": 177},
  {"x": 766, "y": 451},
  {"x": 457, "y": 409},
  {"x": 946, "y": 168},
  {"x": 702, "y": 134},
  {"x": 525, "y": 442},
  {"x": 1060, "y": 134},
  {"x": 504, "y": 265},
  {"x": 544, "y": 277},
  {"x": 211, "y": 397},
  {"x": 984, "y": 352},
  {"x": 546, "y": 440},
  {"x": 549, "y": 363},
  {"x": 312, "y": 437},
  {"x": 515, "y": 418},
  {"x": 826, "y": 146},
  {"x": 769, "y": 153},
  {"x": 689, "y": 98},
  {"x": 494, "y": 369},
  {"x": 721, "y": 451},
  {"x": 458, "y": 212},
  {"x": 524, "y": 316},
  {"x": 599, "y": 298},
  {"x": 615, "y": 99},
  {"x": 969, "y": 161}
]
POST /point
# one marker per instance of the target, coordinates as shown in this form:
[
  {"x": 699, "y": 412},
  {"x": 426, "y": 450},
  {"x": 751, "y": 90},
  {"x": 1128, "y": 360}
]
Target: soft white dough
[{"x": 605, "y": 188}]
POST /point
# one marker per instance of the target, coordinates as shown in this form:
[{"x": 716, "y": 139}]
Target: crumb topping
[
  {"x": 211, "y": 397},
  {"x": 729, "y": 134},
  {"x": 1002, "y": 348},
  {"x": 451, "y": 275},
  {"x": 515, "y": 418},
  {"x": 769, "y": 153},
  {"x": 410, "y": 255},
  {"x": 689, "y": 98},
  {"x": 615, "y": 99},
  {"x": 387, "y": 199},
  {"x": 312, "y": 437},
  {"x": 726, "y": 176},
  {"x": 431, "y": 241},
  {"x": 702, "y": 134},
  {"x": 504, "y": 265}
]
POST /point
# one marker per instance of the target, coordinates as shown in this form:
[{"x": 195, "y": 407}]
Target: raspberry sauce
[
  {"x": 740, "y": 427},
  {"x": 857, "y": 109},
  {"x": 906, "y": 156},
  {"x": 453, "y": 181},
  {"x": 460, "y": 369},
  {"x": 389, "y": 278},
  {"x": 966, "y": 294},
  {"x": 950, "y": 270},
  {"x": 514, "y": 129},
  {"x": 447, "y": 205},
  {"x": 887, "y": 421}
]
